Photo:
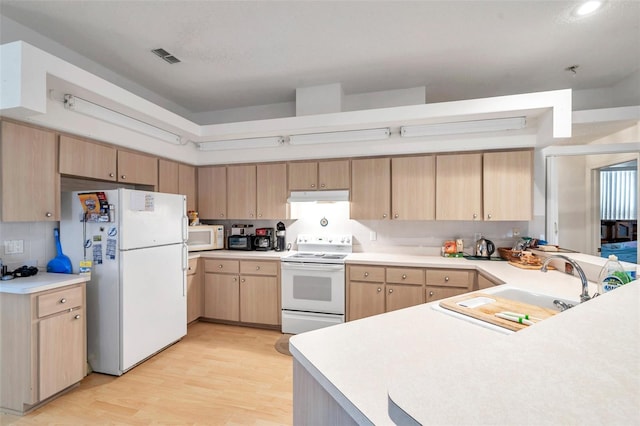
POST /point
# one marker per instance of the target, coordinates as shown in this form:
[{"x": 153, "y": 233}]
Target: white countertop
[
  {"x": 240, "y": 254},
  {"x": 580, "y": 367},
  {"x": 40, "y": 282}
]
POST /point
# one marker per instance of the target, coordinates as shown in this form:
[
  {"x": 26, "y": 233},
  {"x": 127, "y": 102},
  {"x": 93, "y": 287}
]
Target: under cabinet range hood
[{"x": 318, "y": 196}]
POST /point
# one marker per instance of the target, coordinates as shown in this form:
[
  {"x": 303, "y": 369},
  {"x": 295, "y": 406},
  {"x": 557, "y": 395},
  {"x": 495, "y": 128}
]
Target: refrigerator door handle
[
  {"x": 185, "y": 265},
  {"x": 185, "y": 228}
]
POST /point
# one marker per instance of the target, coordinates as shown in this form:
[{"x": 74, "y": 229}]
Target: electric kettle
[{"x": 485, "y": 248}]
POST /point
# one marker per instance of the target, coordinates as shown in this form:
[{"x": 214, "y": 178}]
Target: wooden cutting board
[
  {"x": 486, "y": 312},
  {"x": 527, "y": 266}
]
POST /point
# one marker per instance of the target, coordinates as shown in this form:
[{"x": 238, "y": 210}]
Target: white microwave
[{"x": 206, "y": 237}]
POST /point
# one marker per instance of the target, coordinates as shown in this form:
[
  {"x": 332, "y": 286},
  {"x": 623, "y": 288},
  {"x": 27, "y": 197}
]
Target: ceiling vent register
[{"x": 166, "y": 56}]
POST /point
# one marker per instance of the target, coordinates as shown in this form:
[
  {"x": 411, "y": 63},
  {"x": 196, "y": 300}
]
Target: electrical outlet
[
  {"x": 13, "y": 246},
  {"x": 516, "y": 232},
  {"x": 373, "y": 236}
]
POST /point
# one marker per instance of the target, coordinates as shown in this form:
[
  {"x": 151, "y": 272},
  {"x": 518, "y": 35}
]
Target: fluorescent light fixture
[
  {"x": 318, "y": 196},
  {"x": 241, "y": 143},
  {"x": 74, "y": 103},
  {"x": 492, "y": 125},
  {"x": 333, "y": 137}
]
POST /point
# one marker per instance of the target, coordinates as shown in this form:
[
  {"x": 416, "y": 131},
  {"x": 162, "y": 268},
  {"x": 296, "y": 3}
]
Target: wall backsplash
[
  {"x": 39, "y": 247},
  {"x": 417, "y": 237}
]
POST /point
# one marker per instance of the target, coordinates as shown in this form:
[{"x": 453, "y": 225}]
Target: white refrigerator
[{"x": 136, "y": 297}]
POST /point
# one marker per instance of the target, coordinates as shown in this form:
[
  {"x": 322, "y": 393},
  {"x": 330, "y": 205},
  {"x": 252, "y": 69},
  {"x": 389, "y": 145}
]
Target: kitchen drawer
[
  {"x": 405, "y": 276},
  {"x": 259, "y": 267},
  {"x": 193, "y": 266},
  {"x": 450, "y": 278},
  {"x": 374, "y": 274},
  {"x": 436, "y": 293},
  {"x": 224, "y": 266},
  {"x": 59, "y": 300}
]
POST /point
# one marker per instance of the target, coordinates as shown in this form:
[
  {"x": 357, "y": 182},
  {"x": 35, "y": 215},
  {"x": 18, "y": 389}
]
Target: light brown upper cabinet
[
  {"x": 508, "y": 185},
  {"x": 212, "y": 192},
  {"x": 137, "y": 168},
  {"x": 271, "y": 188},
  {"x": 413, "y": 188},
  {"x": 241, "y": 192},
  {"x": 30, "y": 178},
  {"x": 459, "y": 187},
  {"x": 87, "y": 159},
  {"x": 370, "y": 188},
  {"x": 322, "y": 175},
  {"x": 167, "y": 176},
  {"x": 177, "y": 178}
]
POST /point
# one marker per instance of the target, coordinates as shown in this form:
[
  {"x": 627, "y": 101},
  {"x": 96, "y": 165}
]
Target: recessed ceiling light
[{"x": 588, "y": 7}]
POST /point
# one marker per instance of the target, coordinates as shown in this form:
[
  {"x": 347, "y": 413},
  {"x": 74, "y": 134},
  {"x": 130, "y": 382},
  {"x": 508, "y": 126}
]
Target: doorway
[{"x": 619, "y": 211}]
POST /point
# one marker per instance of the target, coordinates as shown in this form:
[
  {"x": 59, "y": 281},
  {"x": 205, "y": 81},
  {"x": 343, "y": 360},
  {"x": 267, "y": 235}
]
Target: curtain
[{"x": 618, "y": 194}]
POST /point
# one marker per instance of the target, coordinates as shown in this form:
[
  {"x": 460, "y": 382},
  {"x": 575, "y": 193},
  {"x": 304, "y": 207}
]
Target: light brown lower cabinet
[
  {"x": 43, "y": 345},
  {"x": 486, "y": 282},
  {"x": 195, "y": 291},
  {"x": 375, "y": 289},
  {"x": 244, "y": 291}
]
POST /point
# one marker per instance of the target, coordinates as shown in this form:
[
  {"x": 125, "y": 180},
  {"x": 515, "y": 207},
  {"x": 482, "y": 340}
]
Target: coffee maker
[{"x": 280, "y": 237}]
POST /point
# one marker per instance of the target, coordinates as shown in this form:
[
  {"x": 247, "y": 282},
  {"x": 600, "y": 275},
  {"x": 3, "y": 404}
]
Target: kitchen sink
[
  {"x": 531, "y": 298},
  {"x": 512, "y": 294}
]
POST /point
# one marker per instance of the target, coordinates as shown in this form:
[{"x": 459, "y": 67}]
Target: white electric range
[{"x": 313, "y": 283}]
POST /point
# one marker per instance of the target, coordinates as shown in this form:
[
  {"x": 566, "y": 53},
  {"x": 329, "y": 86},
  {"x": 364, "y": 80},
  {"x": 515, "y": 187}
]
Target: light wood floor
[{"x": 216, "y": 375}]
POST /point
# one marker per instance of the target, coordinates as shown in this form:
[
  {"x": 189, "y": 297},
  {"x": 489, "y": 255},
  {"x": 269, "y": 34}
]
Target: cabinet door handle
[
  {"x": 123, "y": 177},
  {"x": 257, "y": 268},
  {"x": 221, "y": 214},
  {"x": 48, "y": 214},
  {"x": 475, "y": 216},
  {"x": 431, "y": 293},
  {"x": 446, "y": 279},
  {"x": 63, "y": 300},
  {"x": 189, "y": 267},
  {"x": 489, "y": 216},
  {"x": 242, "y": 280},
  {"x": 390, "y": 290},
  {"x": 384, "y": 215},
  {"x": 404, "y": 276},
  {"x": 379, "y": 289},
  {"x": 322, "y": 185},
  {"x": 77, "y": 317},
  {"x": 313, "y": 185},
  {"x": 366, "y": 274},
  {"x": 111, "y": 175},
  {"x": 395, "y": 216},
  {"x": 234, "y": 279}
]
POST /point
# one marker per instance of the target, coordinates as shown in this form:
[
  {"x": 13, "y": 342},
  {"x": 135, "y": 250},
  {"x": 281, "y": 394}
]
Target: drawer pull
[
  {"x": 77, "y": 317},
  {"x": 366, "y": 274},
  {"x": 63, "y": 300},
  {"x": 431, "y": 293},
  {"x": 390, "y": 290},
  {"x": 219, "y": 266},
  {"x": 190, "y": 268},
  {"x": 257, "y": 268},
  {"x": 404, "y": 276},
  {"x": 446, "y": 279},
  {"x": 379, "y": 289}
]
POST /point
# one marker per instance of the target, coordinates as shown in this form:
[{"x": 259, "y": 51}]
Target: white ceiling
[{"x": 246, "y": 53}]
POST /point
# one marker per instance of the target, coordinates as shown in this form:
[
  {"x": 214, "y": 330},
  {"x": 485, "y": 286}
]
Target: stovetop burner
[{"x": 321, "y": 249}]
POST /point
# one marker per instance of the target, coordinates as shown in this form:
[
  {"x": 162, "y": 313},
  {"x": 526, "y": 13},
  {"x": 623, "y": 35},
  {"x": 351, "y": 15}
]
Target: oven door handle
[{"x": 311, "y": 267}]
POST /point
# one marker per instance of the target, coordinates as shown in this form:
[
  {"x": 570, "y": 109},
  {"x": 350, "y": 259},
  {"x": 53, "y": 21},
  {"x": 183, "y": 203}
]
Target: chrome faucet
[{"x": 584, "y": 296}]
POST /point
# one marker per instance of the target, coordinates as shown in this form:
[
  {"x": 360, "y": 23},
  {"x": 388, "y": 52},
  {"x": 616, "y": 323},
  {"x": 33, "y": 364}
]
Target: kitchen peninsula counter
[
  {"x": 418, "y": 365},
  {"x": 40, "y": 282}
]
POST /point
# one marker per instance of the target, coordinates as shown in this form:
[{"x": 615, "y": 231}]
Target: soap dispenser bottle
[{"x": 612, "y": 275}]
